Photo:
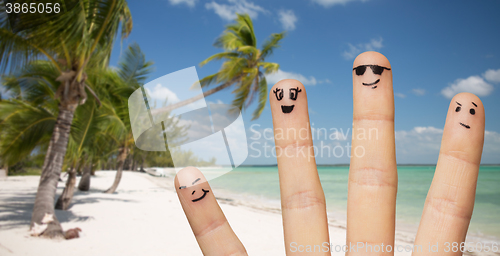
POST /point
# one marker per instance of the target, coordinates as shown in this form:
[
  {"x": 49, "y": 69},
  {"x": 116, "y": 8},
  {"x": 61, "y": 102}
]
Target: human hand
[{"x": 371, "y": 206}]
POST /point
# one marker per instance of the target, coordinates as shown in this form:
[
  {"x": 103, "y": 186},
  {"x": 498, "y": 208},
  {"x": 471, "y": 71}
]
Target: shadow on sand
[{"x": 16, "y": 207}]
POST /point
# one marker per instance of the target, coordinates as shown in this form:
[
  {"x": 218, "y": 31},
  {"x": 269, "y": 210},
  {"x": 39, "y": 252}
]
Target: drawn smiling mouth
[
  {"x": 464, "y": 125},
  {"x": 201, "y": 197},
  {"x": 374, "y": 83},
  {"x": 287, "y": 109}
]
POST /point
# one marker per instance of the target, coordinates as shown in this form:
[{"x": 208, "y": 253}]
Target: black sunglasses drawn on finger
[{"x": 376, "y": 70}]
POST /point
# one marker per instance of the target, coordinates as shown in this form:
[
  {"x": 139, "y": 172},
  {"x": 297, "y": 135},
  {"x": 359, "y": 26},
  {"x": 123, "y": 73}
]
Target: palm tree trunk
[
  {"x": 4, "y": 172},
  {"x": 93, "y": 167},
  {"x": 126, "y": 165},
  {"x": 44, "y": 201},
  {"x": 65, "y": 199},
  {"x": 195, "y": 98},
  {"x": 121, "y": 160},
  {"x": 84, "y": 184},
  {"x": 134, "y": 165}
]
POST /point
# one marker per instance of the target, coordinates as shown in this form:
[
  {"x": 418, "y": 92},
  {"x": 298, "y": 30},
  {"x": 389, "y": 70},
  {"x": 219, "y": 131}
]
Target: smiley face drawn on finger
[
  {"x": 294, "y": 92},
  {"x": 204, "y": 191},
  {"x": 472, "y": 111},
  {"x": 376, "y": 69}
]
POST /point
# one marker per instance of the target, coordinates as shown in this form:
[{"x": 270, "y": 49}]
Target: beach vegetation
[{"x": 82, "y": 30}]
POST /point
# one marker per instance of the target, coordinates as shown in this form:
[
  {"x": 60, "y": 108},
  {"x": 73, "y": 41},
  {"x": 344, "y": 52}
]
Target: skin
[
  {"x": 372, "y": 176},
  {"x": 450, "y": 200},
  {"x": 209, "y": 225}
]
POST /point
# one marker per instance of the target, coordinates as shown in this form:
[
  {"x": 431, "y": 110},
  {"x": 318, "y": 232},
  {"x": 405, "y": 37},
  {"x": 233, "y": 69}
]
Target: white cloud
[
  {"x": 472, "y": 84},
  {"x": 491, "y": 147},
  {"x": 492, "y": 75},
  {"x": 422, "y": 144},
  {"x": 418, "y": 91},
  {"x": 330, "y": 3},
  {"x": 280, "y": 75},
  {"x": 325, "y": 81},
  {"x": 418, "y": 145},
  {"x": 162, "y": 93},
  {"x": 228, "y": 11},
  {"x": 354, "y": 50},
  {"x": 190, "y": 3},
  {"x": 427, "y": 130},
  {"x": 400, "y": 95},
  {"x": 287, "y": 19}
]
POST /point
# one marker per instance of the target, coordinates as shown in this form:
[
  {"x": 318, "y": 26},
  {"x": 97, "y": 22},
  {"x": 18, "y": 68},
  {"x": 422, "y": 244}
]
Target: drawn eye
[
  {"x": 458, "y": 109},
  {"x": 279, "y": 94},
  {"x": 294, "y": 93},
  {"x": 472, "y": 111},
  {"x": 377, "y": 70},
  {"x": 360, "y": 70}
]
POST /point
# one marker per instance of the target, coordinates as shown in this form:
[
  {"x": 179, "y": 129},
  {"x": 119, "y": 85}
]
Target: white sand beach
[{"x": 144, "y": 217}]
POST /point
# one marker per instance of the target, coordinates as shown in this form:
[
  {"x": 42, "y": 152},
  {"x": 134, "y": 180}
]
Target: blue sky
[{"x": 436, "y": 49}]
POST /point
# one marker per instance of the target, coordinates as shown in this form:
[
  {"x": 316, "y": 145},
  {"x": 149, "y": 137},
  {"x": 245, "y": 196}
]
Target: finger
[
  {"x": 450, "y": 200},
  {"x": 302, "y": 199},
  {"x": 209, "y": 225},
  {"x": 371, "y": 205}
]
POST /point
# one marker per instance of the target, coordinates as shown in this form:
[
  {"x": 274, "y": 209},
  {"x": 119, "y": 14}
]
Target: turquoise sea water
[{"x": 262, "y": 183}]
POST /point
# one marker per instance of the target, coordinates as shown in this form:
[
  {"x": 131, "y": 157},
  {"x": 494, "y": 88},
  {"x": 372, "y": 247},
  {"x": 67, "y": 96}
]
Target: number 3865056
[{"x": 32, "y": 8}]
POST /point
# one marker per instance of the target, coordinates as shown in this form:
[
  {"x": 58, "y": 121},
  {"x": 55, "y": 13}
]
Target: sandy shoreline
[{"x": 144, "y": 217}]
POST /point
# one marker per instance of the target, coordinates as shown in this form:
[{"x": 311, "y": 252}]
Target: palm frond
[
  {"x": 208, "y": 80},
  {"x": 79, "y": 29},
  {"x": 16, "y": 51},
  {"x": 247, "y": 49},
  {"x": 263, "y": 93},
  {"x": 228, "y": 41},
  {"x": 240, "y": 33},
  {"x": 231, "y": 68},
  {"x": 34, "y": 83},
  {"x": 24, "y": 130},
  {"x": 218, "y": 56},
  {"x": 133, "y": 67},
  {"x": 243, "y": 91},
  {"x": 242, "y": 94},
  {"x": 244, "y": 28},
  {"x": 271, "y": 44},
  {"x": 269, "y": 67}
]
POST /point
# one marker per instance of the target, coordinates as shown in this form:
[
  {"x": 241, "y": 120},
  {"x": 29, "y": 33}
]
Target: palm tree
[
  {"x": 87, "y": 139},
  {"x": 242, "y": 66},
  {"x": 131, "y": 74},
  {"x": 68, "y": 40},
  {"x": 28, "y": 117}
]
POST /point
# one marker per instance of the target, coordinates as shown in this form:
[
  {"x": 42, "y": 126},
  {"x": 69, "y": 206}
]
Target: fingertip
[
  {"x": 285, "y": 84},
  {"x": 468, "y": 98},
  {"x": 467, "y": 108},
  {"x": 463, "y": 135},
  {"x": 373, "y": 96},
  {"x": 288, "y": 97},
  {"x": 371, "y": 57},
  {"x": 188, "y": 177}
]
